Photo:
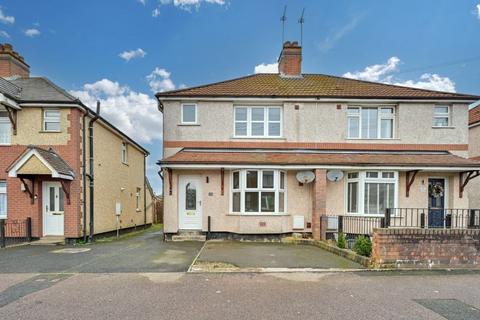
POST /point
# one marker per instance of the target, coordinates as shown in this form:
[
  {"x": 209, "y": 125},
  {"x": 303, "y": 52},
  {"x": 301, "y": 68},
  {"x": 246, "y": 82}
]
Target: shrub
[
  {"x": 342, "y": 242},
  {"x": 363, "y": 246}
]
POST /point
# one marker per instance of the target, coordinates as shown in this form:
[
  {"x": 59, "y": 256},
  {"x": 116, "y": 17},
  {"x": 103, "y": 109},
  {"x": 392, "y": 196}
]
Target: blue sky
[{"x": 120, "y": 51}]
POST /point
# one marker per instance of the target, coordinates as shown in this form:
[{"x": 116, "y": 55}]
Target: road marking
[{"x": 198, "y": 255}]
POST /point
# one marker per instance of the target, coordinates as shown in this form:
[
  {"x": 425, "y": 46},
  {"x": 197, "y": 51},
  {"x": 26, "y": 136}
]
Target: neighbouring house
[
  {"x": 474, "y": 152},
  {"x": 63, "y": 166},
  {"x": 270, "y": 154}
]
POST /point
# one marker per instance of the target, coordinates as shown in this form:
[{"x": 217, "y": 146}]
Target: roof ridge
[{"x": 208, "y": 84}]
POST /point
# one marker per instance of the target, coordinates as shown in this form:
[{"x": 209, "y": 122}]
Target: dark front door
[{"x": 436, "y": 203}]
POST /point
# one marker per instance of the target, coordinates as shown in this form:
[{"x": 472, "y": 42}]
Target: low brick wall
[{"x": 426, "y": 248}]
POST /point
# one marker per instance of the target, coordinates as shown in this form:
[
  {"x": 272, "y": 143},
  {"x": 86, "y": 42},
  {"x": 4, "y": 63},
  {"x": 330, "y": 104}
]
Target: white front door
[
  {"x": 190, "y": 206},
  {"x": 53, "y": 209}
]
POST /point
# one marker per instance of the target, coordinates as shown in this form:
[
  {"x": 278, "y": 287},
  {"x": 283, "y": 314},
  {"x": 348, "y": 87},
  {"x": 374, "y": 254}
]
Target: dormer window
[{"x": 51, "y": 120}]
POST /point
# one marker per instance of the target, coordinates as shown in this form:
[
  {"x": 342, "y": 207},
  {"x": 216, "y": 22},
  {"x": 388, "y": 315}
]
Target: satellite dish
[
  {"x": 305, "y": 176},
  {"x": 334, "y": 175}
]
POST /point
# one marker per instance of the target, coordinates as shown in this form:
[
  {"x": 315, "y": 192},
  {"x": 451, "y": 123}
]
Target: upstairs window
[
  {"x": 371, "y": 122},
  {"x": 441, "y": 117},
  {"x": 261, "y": 122},
  {"x": 124, "y": 152},
  {"x": 3, "y": 199},
  {"x": 5, "y": 128},
  {"x": 51, "y": 120},
  {"x": 189, "y": 113}
]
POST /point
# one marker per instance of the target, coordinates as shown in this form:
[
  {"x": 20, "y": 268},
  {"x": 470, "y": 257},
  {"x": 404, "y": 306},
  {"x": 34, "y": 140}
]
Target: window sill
[
  {"x": 188, "y": 124},
  {"x": 445, "y": 127},
  {"x": 259, "y": 138},
  {"x": 372, "y": 139},
  {"x": 50, "y": 131},
  {"x": 258, "y": 214},
  {"x": 5, "y": 144},
  {"x": 125, "y": 163}
]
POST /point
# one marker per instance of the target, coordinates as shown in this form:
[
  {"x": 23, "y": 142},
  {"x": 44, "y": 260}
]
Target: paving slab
[{"x": 247, "y": 255}]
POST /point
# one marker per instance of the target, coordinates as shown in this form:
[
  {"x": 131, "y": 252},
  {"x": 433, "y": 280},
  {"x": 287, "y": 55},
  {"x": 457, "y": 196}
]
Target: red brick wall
[
  {"x": 19, "y": 205},
  {"x": 319, "y": 201},
  {"x": 426, "y": 247},
  {"x": 290, "y": 62}
]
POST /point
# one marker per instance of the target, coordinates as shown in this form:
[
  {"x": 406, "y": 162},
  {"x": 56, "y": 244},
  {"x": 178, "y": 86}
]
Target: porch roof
[
  {"x": 402, "y": 160},
  {"x": 38, "y": 161}
]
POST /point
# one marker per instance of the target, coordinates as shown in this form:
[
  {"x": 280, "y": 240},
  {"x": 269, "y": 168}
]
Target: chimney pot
[{"x": 290, "y": 60}]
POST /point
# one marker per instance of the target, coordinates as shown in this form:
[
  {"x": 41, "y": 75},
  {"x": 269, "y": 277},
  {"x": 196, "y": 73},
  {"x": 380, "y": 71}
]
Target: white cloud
[
  {"x": 134, "y": 113},
  {"x": 477, "y": 11},
  {"x": 266, "y": 68},
  {"x": 132, "y": 54},
  {"x": 159, "y": 80},
  {"x": 430, "y": 82},
  {"x": 6, "y": 19},
  {"x": 142, "y": 1},
  {"x": 331, "y": 40},
  {"x": 385, "y": 73},
  {"x": 4, "y": 34},
  {"x": 32, "y": 32},
  {"x": 376, "y": 71},
  {"x": 155, "y": 12}
]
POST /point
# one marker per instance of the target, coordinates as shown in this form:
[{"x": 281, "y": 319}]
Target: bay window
[
  {"x": 3, "y": 199},
  {"x": 262, "y": 122},
  {"x": 371, "y": 122},
  {"x": 371, "y": 192},
  {"x": 5, "y": 128},
  {"x": 258, "y": 191}
]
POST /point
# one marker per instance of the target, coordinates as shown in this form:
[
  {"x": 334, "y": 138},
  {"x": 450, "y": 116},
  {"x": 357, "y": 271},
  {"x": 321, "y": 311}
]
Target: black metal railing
[
  {"x": 15, "y": 231},
  {"x": 431, "y": 218}
]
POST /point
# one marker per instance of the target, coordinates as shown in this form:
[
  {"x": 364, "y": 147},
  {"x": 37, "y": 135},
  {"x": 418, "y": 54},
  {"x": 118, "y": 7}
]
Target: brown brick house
[
  {"x": 271, "y": 153},
  {"x": 46, "y": 163}
]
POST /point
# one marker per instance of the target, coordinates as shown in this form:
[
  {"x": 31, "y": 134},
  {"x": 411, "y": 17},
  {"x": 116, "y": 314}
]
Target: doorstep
[{"x": 49, "y": 241}]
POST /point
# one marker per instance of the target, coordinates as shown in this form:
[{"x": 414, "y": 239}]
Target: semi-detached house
[{"x": 270, "y": 154}]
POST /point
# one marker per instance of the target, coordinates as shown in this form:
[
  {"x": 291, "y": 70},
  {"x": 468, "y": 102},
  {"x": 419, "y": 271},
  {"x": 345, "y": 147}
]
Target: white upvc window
[
  {"x": 189, "y": 113},
  {"x": 371, "y": 192},
  {"x": 441, "y": 116},
  {"x": 124, "y": 153},
  {"x": 258, "y": 191},
  {"x": 3, "y": 199},
  {"x": 137, "y": 199},
  {"x": 371, "y": 122},
  {"x": 257, "y": 122},
  {"x": 51, "y": 120},
  {"x": 5, "y": 128}
]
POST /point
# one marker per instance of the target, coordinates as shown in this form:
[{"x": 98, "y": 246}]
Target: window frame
[
  {"x": 196, "y": 114},
  {"x": 362, "y": 180},
  {"x": 6, "y": 120},
  {"x": 124, "y": 152},
  {"x": 3, "y": 190},
  {"x": 242, "y": 190},
  {"x": 138, "y": 198},
  {"x": 442, "y": 115},
  {"x": 266, "y": 122},
  {"x": 380, "y": 116},
  {"x": 49, "y": 119}
]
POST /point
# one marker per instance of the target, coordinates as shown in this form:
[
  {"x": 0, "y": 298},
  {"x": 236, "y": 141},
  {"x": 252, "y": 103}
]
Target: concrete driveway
[
  {"x": 142, "y": 253},
  {"x": 248, "y": 255}
]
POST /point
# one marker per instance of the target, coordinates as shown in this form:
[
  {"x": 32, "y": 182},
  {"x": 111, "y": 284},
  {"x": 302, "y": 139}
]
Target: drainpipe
[
  {"x": 84, "y": 175},
  {"x": 91, "y": 173},
  {"x": 145, "y": 192}
]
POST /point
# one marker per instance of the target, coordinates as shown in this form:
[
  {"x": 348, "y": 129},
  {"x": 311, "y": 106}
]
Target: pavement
[
  {"x": 146, "y": 252},
  {"x": 245, "y": 255},
  {"x": 364, "y": 295}
]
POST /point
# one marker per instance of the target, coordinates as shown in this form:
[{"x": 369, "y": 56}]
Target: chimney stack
[
  {"x": 290, "y": 60},
  {"x": 11, "y": 63}
]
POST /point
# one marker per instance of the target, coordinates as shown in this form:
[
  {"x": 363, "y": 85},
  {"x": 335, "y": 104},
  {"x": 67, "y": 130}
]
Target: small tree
[
  {"x": 363, "y": 246},
  {"x": 342, "y": 242}
]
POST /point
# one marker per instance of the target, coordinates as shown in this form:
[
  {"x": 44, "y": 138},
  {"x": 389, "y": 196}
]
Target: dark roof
[
  {"x": 474, "y": 115},
  {"x": 309, "y": 85},
  {"x": 299, "y": 158},
  {"x": 9, "y": 88},
  {"x": 53, "y": 159},
  {"x": 39, "y": 89}
]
